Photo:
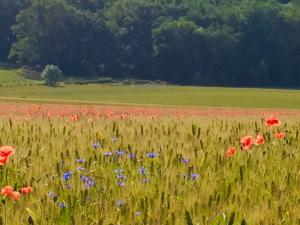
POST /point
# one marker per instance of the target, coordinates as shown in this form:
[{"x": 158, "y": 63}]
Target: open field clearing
[
  {"x": 155, "y": 95},
  {"x": 147, "y": 167},
  {"x": 14, "y": 87},
  {"x": 14, "y": 78}
]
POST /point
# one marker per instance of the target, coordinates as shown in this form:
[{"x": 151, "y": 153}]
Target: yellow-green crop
[{"x": 150, "y": 171}]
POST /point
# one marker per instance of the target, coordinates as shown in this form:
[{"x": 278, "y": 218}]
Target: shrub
[{"x": 51, "y": 75}]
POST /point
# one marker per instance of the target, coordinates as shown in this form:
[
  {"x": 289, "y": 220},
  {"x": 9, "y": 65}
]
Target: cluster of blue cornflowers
[
  {"x": 143, "y": 171},
  {"x": 88, "y": 181},
  {"x": 119, "y": 153},
  {"x": 54, "y": 197},
  {"x": 120, "y": 177}
]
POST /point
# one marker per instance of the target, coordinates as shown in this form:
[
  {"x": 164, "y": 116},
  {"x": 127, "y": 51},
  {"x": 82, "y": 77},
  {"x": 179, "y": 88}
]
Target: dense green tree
[
  {"x": 51, "y": 75},
  {"x": 207, "y": 42},
  {"x": 91, "y": 5},
  {"x": 53, "y": 32},
  {"x": 132, "y": 23},
  {"x": 181, "y": 51},
  {"x": 8, "y": 11},
  {"x": 264, "y": 52}
]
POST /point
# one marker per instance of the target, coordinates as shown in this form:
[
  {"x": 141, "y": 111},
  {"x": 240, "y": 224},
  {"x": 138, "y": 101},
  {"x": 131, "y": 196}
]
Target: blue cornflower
[
  {"x": 121, "y": 184},
  {"x": 119, "y": 153},
  {"x": 120, "y": 202},
  {"x": 185, "y": 161},
  {"x": 131, "y": 156},
  {"x": 88, "y": 181},
  {"x": 195, "y": 176},
  {"x": 80, "y": 160},
  {"x": 142, "y": 170},
  {"x": 83, "y": 178},
  {"x": 151, "y": 155},
  {"x": 67, "y": 175},
  {"x": 51, "y": 194},
  {"x": 107, "y": 154},
  {"x": 96, "y": 145},
  {"x": 121, "y": 176},
  {"x": 62, "y": 205}
]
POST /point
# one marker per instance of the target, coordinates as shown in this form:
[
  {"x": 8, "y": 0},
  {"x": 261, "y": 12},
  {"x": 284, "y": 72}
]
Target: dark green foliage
[
  {"x": 51, "y": 75},
  {"x": 8, "y": 11},
  {"x": 227, "y": 43}
]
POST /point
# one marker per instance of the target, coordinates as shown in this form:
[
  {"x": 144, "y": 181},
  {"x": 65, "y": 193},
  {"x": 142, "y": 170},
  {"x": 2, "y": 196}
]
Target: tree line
[{"x": 202, "y": 42}]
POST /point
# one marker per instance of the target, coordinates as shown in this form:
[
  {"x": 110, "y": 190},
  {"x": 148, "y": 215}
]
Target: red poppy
[
  {"x": 260, "y": 140},
  {"x": 74, "y": 118},
  {"x": 3, "y": 160},
  {"x": 247, "y": 142},
  {"x": 6, "y": 151},
  {"x": 272, "y": 122},
  {"x": 7, "y": 191},
  {"x": 26, "y": 190},
  {"x": 230, "y": 151},
  {"x": 15, "y": 195},
  {"x": 279, "y": 135}
]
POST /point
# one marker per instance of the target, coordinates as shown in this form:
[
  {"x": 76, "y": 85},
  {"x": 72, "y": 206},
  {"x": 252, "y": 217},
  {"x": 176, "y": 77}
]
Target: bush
[{"x": 51, "y": 75}]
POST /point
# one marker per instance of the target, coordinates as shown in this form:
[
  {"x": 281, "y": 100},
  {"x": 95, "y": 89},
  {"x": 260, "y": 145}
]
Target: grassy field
[
  {"x": 14, "y": 87},
  {"x": 150, "y": 171},
  {"x": 13, "y": 78},
  {"x": 156, "y": 95}
]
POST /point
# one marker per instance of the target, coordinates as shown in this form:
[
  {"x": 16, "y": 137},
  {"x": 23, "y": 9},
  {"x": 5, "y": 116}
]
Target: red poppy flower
[
  {"x": 260, "y": 140},
  {"x": 26, "y": 190},
  {"x": 7, "y": 191},
  {"x": 74, "y": 118},
  {"x": 272, "y": 122},
  {"x": 15, "y": 195},
  {"x": 3, "y": 160},
  {"x": 230, "y": 151},
  {"x": 247, "y": 142},
  {"x": 279, "y": 135},
  {"x": 6, "y": 151}
]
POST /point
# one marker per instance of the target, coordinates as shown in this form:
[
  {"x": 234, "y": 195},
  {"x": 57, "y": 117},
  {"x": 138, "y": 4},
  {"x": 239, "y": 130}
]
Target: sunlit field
[
  {"x": 159, "y": 169},
  {"x": 14, "y": 78},
  {"x": 155, "y": 95},
  {"x": 16, "y": 87}
]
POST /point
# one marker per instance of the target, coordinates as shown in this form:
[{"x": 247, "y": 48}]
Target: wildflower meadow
[{"x": 78, "y": 169}]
